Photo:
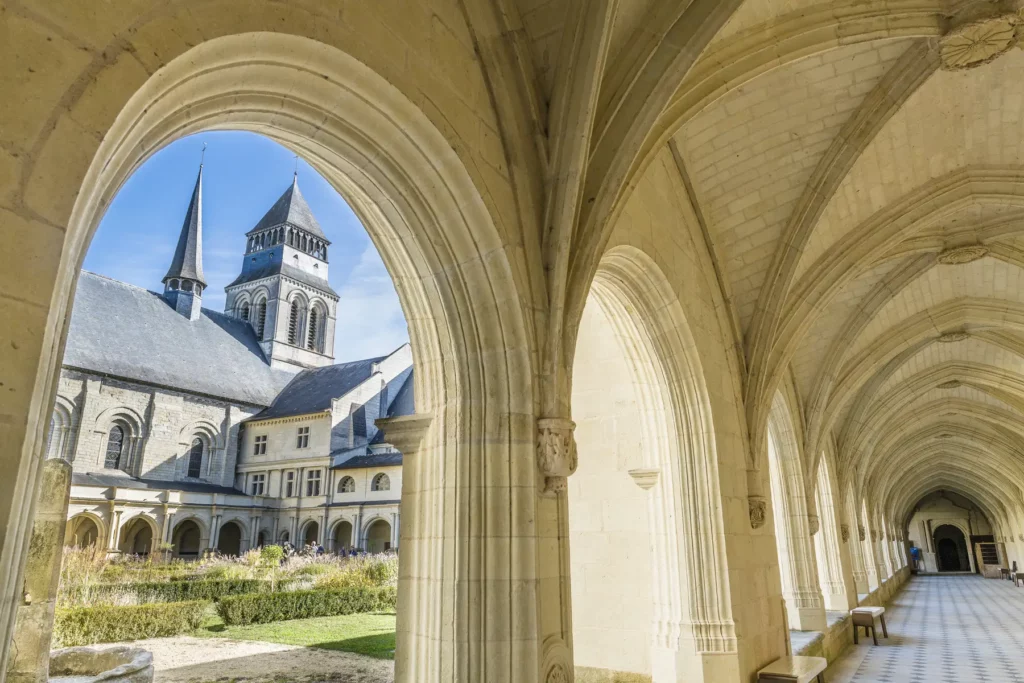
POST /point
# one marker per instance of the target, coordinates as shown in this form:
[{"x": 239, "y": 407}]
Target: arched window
[
  {"x": 244, "y": 315},
  {"x": 313, "y": 338},
  {"x": 115, "y": 448},
  {"x": 195, "y": 458},
  {"x": 381, "y": 482},
  {"x": 293, "y": 324},
  {"x": 347, "y": 485},
  {"x": 261, "y": 318}
]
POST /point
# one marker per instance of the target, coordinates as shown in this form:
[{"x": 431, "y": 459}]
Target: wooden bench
[
  {"x": 864, "y": 617},
  {"x": 794, "y": 670}
]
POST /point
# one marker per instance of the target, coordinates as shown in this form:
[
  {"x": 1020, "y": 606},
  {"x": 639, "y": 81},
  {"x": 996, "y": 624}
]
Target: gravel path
[{"x": 184, "y": 659}]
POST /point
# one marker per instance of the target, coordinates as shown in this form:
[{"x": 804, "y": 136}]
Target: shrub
[
  {"x": 261, "y": 609},
  {"x": 112, "y": 623},
  {"x": 271, "y": 555}
]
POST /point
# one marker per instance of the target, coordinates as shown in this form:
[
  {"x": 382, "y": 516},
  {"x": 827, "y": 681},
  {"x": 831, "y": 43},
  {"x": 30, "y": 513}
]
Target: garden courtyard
[{"x": 259, "y": 617}]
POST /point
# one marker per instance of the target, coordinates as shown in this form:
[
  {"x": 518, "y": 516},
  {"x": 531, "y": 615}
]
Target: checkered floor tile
[{"x": 943, "y": 629}]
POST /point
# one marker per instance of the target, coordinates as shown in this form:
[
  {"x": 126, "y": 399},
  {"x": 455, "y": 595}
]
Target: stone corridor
[{"x": 943, "y": 629}]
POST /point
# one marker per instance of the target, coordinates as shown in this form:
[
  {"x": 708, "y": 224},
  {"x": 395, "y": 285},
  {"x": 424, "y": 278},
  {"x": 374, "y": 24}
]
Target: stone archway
[
  {"x": 951, "y": 550},
  {"x": 229, "y": 540},
  {"x": 641, "y": 510},
  {"x": 454, "y": 272},
  {"x": 187, "y": 539},
  {"x": 83, "y": 531},
  {"x": 310, "y": 533},
  {"x": 342, "y": 537},
  {"x": 137, "y": 537},
  {"x": 378, "y": 536}
]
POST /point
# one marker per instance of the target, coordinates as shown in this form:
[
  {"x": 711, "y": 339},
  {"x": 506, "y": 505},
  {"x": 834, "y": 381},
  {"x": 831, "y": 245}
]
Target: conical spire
[
  {"x": 291, "y": 208},
  {"x": 188, "y": 257}
]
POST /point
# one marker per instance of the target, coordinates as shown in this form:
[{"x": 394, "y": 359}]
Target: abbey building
[{"x": 197, "y": 430}]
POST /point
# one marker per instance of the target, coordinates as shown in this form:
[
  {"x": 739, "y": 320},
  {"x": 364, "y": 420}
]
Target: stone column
[
  {"x": 394, "y": 530},
  {"x": 832, "y": 549},
  {"x": 29, "y": 660},
  {"x": 115, "y": 529},
  {"x": 214, "y": 531},
  {"x": 797, "y": 563}
]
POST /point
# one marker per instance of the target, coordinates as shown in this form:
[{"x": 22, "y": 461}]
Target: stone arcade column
[
  {"x": 797, "y": 564},
  {"x": 29, "y": 660},
  {"x": 833, "y": 550}
]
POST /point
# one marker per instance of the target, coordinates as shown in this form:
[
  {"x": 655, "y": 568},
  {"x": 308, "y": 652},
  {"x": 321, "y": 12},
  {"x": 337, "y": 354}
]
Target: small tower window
[
  {"x": 195, "y": 458},
  {"x": 115, "y": 448},
  {"x": 314, "y": 330},
  {"x": 347, "y": 485},
  {"x": 293, "y": 324},
  {"x": 244, "y": 314},
  {"x": 381, "y": 482},
  {"x": 261, "y": 318}
]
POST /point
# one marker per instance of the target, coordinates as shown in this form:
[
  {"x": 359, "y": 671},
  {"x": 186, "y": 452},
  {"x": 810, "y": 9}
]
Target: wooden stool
[
  {"x": 1017, "y": 578},
  {"x": 865, "y": 617},
  {"x": 794, "y": 670}
]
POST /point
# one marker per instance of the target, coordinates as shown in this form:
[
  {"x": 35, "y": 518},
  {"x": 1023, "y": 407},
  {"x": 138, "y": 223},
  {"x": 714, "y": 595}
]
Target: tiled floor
[{"x": 943, "y": 629}]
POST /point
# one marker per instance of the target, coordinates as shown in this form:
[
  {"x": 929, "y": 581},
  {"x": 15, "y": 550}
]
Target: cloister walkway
[{"x": 943, "y": 629}]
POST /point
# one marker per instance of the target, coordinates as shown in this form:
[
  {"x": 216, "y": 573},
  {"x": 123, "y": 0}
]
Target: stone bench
[
  {"x": 794, "y": 670},
  {"x": 864, "y": 617}
]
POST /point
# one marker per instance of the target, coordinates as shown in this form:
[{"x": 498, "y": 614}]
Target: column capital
[
  {"x": 813, "y": 524},
  {"x": 556, "y": 452},
  {"x": 406, "y": 433}
]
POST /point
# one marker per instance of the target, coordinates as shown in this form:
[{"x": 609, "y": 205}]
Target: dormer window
[{"x": 302, "y": 438}]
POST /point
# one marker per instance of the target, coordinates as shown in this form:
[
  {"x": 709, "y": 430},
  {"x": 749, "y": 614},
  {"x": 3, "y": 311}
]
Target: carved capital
[
  {"x": 556, "y": 664},
  {"x": 953, "y": 337},
  {"x": 757, "y": 507},
  {"x": 556, "y": 452},
  {"x": 645, "y": 478},
  {"x": 844, "y": 532},
  {"x": 861, "y": 533},
  {"x": 556, "y": 674},
  {"x": 813, "y": 523},
  {"x": 957, "y": 256},
  {"x": 874, "y": 535}
]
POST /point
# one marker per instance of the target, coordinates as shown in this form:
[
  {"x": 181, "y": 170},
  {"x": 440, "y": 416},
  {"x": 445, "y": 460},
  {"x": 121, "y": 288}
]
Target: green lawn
[{"x": 365, "y": 634}]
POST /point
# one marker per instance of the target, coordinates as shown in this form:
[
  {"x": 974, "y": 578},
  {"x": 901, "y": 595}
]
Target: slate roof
[
  {"x": 291, "y": 208},
  {"x": 131, "y": 333},
  {"x": 188, "y": 256},
  {"x": 387, "y": 459},
  {"x": 286, "y": 270},
  {"x": 313, "y": 390},
  {"x": 108, "y": 479}
]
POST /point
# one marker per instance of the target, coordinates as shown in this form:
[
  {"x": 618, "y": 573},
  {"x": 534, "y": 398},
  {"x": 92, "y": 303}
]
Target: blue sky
[{"x": 243, "y": 176}]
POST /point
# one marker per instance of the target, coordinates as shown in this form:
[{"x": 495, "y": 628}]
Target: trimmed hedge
[
  {"x": 173, "y": 591},
  {"x": 268, "y": 607},
  {"x": 112, "y": 623}
]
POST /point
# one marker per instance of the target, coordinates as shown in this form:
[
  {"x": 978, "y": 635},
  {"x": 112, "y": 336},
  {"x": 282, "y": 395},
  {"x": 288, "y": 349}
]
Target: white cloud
[{"x": 370, "y": 319}]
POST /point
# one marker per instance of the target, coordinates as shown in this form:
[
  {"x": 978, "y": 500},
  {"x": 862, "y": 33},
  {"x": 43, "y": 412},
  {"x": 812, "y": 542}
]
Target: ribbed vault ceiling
[{"x": 864, "y": 202}]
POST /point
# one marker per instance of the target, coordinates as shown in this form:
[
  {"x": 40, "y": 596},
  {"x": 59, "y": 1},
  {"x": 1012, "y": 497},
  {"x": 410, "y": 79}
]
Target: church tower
[
  {"x": 184, "y": 284},
  {"x": 282, "y": 290}
]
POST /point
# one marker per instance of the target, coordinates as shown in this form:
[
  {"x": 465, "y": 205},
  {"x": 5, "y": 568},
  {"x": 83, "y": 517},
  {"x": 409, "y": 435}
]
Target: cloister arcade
[{"x": 707, "y": 299}]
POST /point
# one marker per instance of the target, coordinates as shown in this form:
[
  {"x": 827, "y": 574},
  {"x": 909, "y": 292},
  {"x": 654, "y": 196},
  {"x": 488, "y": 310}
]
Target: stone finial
[
  {"x": 556, "y": 452},
  {"x": 844, "y": 532},
  {"x": 861, "y": 532},
  {"x": 757, "y": 508},
  {"x": 978, "y": 42},
  {"x": 956, "y": 256},
  {"x": 813, "y": 523},
  {"x": 645, "y": 478}
]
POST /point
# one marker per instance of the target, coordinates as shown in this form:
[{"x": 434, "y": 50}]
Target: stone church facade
[{"x": 194, "y": 430}]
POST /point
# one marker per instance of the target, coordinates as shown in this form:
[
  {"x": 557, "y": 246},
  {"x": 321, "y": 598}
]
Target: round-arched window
[
  {"x": 381, "y": 482},
  {"x": 347, "y": 485},
  {"x": 195, "y": 458},
  {"x": 115, "y": 448}
]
